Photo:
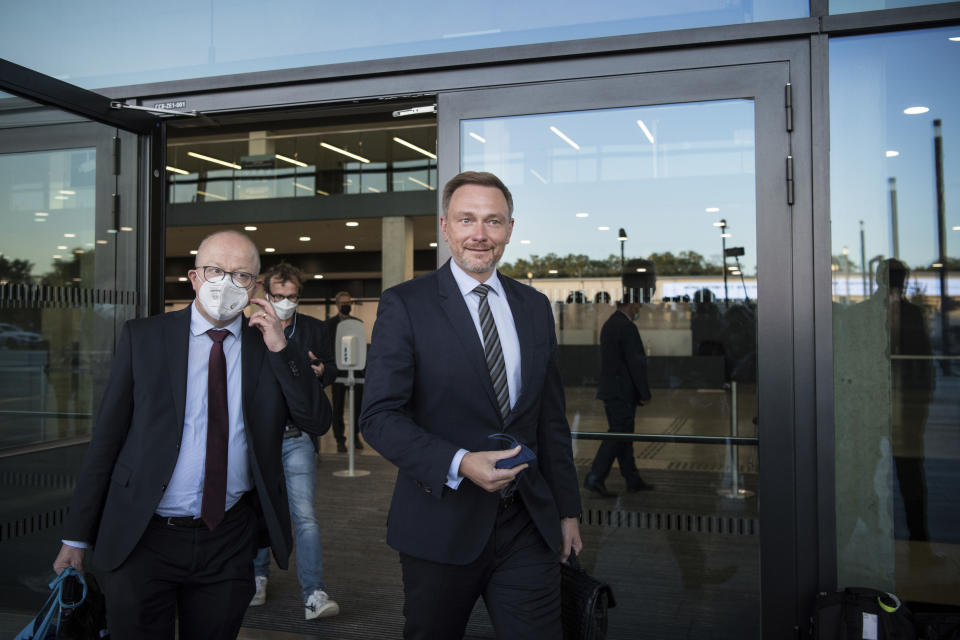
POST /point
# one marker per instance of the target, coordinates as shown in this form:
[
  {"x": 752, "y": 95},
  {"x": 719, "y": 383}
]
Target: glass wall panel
[
  {"x": 895, "y": 143},
  {"x": 190, "y": 40},
  {"x": 67, "y": 274},
  {"x": 663, "y": 199},
  {"x": 301, "y": 164},
  {"x": 851, "y": 6}
]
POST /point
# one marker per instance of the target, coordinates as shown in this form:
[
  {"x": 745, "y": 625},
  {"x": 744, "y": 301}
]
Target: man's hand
[
  {"x": 317, "y": 368},
  {"x": 68, "y": 557},
  {"x": 570, "y": 531},
  {"x": 268, "y": 323},
  {"x": 479, "y": 468}
]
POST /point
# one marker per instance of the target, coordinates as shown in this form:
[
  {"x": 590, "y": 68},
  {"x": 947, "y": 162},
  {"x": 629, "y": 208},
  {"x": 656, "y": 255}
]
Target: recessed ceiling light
[
  {"x": 39, "y": 219},
  {"x": 726, "y": 235},
  {"x": 304, "y": 238},
  {"x": 349, "y": 247},
  {"x": 553, "y": 271},
  {"x": 269, "y": 250},
  {"x": 373, "y": 189},
  {"x": 936, "y": 265},
  {"x": 892, "y": 154},
  {"x": 914, "y": 111},
  {"x": 646, "y": 131},
  {"x": 318, "y": 276},
  {"x": 583, "y": 214},
  {"x": 62, "y": 247},
  {"x": 41, "y": 214},
  {"x": 61, "y": 197},
  {"x": 344, "y": 152},
  {"x": 433, "y": 244},
  {"x": 565, "y": 138},
  {"x": 214, "y": 160},
  {"x": 422, "y": 184},
  {"x": 954, "y": 39},
  {"x": 290, "y": 160},
  {"x": 712, "y": 209},
  {"x": 101, "y": 242},
  {"x": 478, "y": 137},
  {"x": 176, "y": 170},
  {"x": 719, "y": 224},
  {"x": 57, "y": 256},
  {"x": 524, "y": 242},
  {"x": 112, "y": 231},
  {"x": 322, "y": 192},
  {"x": 250, "y": 228},
  {"x": 734, "y": 273},
  {"x": 193, "y": 252},
  {"x": 352, "y": 223},
  {"x": 956, "y": 228},
  {"x": 603, "y": 228},
  {"x": 181, "y": 279},
  {"x": 641, "y": 269},
  {"x": 731, "y": 268},
  {"x": 69, "y": 235},
  {"x": 126, "y": 228},
  {"x": 68, "y": 192},
  {"x": 410, "y": 145}
]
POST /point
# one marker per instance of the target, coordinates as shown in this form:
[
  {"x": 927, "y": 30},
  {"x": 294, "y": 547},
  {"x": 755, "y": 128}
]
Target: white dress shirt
[{"x": 506, "y": 330}]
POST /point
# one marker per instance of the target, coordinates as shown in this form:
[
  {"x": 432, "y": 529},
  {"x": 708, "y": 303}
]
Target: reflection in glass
[
  {"x": 896, "y": 288},
  {"x": 660, "y": 200},
  {"x": 240, "y": 37},
  {"x": 850, "y": 6}
]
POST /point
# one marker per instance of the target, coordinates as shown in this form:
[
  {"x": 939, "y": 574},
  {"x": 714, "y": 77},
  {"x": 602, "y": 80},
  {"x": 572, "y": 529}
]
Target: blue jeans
[{"x": 300, "y": 470}]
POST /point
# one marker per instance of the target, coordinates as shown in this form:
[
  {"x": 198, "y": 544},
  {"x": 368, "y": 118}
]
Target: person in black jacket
[
  {"x": 623, "y": 387},
  {"x": 283, "y": 284}
]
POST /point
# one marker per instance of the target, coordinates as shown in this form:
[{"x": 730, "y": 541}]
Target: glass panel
[
  {"x": 665, "y": 196},
  {"x": 851, "y": 6},
  {"x": 896, "y": 289},
  {"x": 66, "y": 274},
  {"x": 302, "y": 163},
  {"x": 187, "y": 40}
]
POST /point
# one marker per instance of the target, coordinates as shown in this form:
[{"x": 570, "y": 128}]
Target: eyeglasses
[
  {"x": 240, "y": 278},
  {"x": 277, "y": 297}
]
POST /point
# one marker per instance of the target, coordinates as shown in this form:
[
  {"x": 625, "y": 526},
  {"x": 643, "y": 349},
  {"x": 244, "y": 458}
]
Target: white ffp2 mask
[
  {"x": 222, "y": 300},
  {"x": 284, "y": 308}
]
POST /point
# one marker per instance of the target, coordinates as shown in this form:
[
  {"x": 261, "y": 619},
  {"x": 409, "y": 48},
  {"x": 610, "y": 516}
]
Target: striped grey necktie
[{"x": 493, "y": 352}]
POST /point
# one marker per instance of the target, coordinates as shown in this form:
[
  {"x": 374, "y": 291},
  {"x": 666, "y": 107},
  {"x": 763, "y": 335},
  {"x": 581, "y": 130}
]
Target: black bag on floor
[
  {"x": 858, "y": 613},
  {"x": 585, "y": 601}
]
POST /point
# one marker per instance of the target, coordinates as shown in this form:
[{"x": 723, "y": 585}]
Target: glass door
[
  {"x": 73, "y": 207},
  {"x": 673, "y": 184}
]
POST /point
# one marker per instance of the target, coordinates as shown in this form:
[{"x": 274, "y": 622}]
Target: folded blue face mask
[{"x": 526, "y": 453}]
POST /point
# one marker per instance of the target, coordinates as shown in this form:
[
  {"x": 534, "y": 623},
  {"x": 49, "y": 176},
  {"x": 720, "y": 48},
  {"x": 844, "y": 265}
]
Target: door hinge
[
  {"x": 116, "y": 155},
  {"x": 790, "y": 180},
  {"x": 788, "y": 104}
]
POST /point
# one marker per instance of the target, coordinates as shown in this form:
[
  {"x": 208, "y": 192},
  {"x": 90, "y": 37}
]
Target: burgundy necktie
[{"x": 215, "y": 475}]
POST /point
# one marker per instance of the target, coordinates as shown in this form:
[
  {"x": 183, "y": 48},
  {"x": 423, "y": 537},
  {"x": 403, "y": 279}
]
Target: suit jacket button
[
  {"x": 163, "y": 487},
  {"x": 428, "y": 489}
]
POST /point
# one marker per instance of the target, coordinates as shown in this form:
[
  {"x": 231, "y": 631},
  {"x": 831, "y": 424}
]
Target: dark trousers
[
  {"x": 620, "y": 417},
  {"x": 517, "y": 575},
  {"x": 204, "y": 577},
  {"x": 340, "y": 392}
]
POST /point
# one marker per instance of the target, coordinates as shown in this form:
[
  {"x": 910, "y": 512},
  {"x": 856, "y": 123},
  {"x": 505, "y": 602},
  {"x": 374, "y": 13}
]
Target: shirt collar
[
  {"x": 199, "y": 325},
  {"x": 467, "y": 283}
]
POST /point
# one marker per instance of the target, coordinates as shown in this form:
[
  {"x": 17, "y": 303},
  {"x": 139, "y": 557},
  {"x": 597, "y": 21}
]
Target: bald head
[{"x": 232, "y": 246}]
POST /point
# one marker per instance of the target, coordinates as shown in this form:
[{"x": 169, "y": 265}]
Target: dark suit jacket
[
  {"x": 310, "y": 336},
  {"x": 623, "y": 362},
  {"x": 428, "y": 393},
  {"x": 136, "y": 439}
]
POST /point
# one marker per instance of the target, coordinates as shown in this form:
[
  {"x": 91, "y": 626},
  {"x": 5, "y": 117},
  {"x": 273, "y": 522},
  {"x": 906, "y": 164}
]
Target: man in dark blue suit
[
  {"x": 457, "y": 356},
  {"x": 183, "y": 479},
  {"x": 623, "y": 387}
]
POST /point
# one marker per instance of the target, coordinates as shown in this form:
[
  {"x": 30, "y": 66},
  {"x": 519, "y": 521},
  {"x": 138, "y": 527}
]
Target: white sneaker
[
  {"x": 319, "y": 605},
  {"x": 260, "y": 597}
]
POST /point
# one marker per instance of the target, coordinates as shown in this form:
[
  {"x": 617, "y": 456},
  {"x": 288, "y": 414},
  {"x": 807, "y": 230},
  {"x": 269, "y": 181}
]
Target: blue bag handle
[{"x": 39, "y": 627}]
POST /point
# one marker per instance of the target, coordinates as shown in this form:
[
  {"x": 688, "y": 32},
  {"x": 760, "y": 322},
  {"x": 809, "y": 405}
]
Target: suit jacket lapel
[
  {"x": 524, "y": 325},
  {"x": 455, "y": 308},
  {"x": 176, "y": 335},
  {"x": 251, "y": 359}
]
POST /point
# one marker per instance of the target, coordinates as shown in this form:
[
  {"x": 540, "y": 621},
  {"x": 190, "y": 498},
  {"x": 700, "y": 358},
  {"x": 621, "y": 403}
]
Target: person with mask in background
[
  {"x": 182, "y": 480},
  {"x": 339, "y": 390},
  {"x": 283, "y": 284},
  {"x": 623, "y": 382}
]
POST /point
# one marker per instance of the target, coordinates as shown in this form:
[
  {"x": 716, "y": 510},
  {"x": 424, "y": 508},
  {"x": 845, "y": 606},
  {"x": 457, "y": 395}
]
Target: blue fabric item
[
  {"x": 526, "y": 453},
  {"x": 47, "y": 621}
]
